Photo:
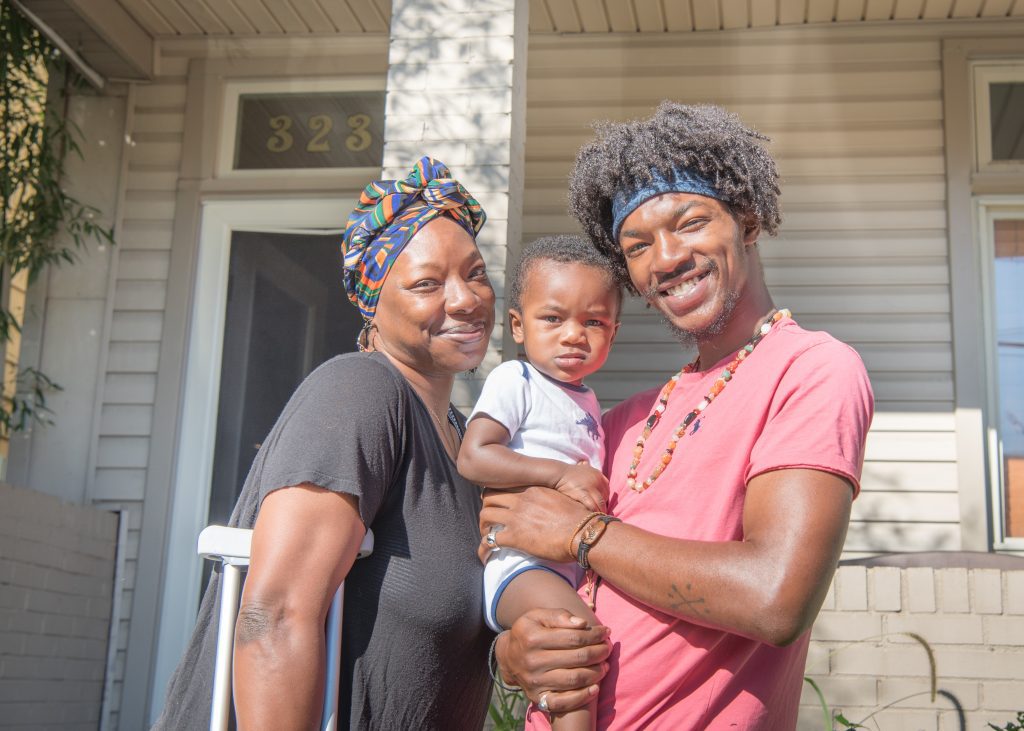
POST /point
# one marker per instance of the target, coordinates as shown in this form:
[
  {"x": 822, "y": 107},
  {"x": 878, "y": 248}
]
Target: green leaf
[
  {"x": 821, "y": 699},
  {"x": 849, "y": 724}
]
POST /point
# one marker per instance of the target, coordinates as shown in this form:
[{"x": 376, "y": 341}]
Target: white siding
[
  {"x": 858, "y": 133},
  {"x": 143, "y": 256},
  {"x": 129, "y": 388}
]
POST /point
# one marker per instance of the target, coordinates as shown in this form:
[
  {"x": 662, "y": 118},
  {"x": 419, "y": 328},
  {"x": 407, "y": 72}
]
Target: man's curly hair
[{"x": 705, "y": 139}]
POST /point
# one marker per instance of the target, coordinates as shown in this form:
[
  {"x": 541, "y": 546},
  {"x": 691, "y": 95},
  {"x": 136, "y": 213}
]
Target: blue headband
[{"x": 682, "y": 181}]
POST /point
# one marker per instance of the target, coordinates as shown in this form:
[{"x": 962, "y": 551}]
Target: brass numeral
[
  {"x": 359, "y": 140},
  {"x": 321, "y": 124},
  {"x": 281, "y": 140}
]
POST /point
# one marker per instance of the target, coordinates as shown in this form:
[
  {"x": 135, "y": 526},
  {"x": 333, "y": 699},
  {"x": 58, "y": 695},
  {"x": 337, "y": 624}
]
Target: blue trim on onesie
[
  {"x": 492, "y": 611},
  {"x": 562, "y": 384},
  {"x": 526, "y": 371}
]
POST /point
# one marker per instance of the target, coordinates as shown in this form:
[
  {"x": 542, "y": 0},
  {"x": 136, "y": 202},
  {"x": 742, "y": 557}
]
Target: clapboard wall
[
  {"x": 856, "y": 123},
  {"x": 153, "y": 129}
]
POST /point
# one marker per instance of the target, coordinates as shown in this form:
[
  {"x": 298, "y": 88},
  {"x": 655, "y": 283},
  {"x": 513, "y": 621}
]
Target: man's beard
[{"x": 691, "y": 338}]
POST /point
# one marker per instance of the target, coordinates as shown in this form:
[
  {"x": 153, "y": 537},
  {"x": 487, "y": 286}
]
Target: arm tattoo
[{"x": 687, "y": 602}]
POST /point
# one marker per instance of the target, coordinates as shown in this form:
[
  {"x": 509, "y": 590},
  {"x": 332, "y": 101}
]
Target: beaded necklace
[{"x": 716, "y": 388}]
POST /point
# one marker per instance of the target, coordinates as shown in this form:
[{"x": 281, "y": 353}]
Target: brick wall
[
  {"x": 863, "y": 658},
  {"x": 56, "y": 588}
]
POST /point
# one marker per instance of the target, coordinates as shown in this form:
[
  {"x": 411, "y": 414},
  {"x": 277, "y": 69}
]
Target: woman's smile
[{"x": 466, "y": 333}]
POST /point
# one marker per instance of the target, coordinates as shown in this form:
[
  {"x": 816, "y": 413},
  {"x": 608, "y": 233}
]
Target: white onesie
[{"x": 545, "y": 418}]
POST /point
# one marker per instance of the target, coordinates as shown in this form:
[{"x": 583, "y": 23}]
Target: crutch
[{"x": 231, "y": 547}]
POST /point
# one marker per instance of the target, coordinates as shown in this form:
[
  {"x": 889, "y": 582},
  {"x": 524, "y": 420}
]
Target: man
[{"x": 732, "y": 482}]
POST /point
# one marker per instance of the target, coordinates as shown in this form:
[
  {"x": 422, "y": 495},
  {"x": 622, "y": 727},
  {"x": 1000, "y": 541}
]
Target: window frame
[
  {"x": 983, "y": 75},
  {"x": 229, "y": 125}
]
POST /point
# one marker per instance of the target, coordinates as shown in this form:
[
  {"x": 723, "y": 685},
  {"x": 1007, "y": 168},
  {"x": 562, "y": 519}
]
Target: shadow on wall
[{"x": 463, "y": 105}]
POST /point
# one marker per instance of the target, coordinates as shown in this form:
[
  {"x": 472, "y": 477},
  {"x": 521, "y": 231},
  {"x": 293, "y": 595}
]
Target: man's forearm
[
  {"x": 278, "y": 671},
  {"x": 768, "y": 586},
  {"x": 724, "y": 585}
]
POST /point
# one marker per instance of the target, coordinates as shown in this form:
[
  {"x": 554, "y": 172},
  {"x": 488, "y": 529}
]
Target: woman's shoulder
[
  {"x": 354, "y": 380},
  {"x": 356, "y": 371}
]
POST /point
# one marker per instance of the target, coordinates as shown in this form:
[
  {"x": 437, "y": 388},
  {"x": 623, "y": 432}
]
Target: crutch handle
[{"x": 230, "y": 545}]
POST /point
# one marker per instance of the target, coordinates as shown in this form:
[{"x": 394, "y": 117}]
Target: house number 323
[{"x": 357, "y": 140}]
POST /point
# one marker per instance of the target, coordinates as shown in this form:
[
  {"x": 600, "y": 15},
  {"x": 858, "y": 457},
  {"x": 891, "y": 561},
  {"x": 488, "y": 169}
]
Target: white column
[{"x": 456, "y": 91}]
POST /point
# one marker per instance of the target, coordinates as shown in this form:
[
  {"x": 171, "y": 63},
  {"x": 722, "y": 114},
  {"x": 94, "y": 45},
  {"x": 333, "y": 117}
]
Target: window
[
  {"x": 999, "y": 117},
  {"x": 310, "y": 130},
  {"x": 301, "y": 128},
  {"x": 1006, "y": 114},
  {"x": 1003, "y": 247}
]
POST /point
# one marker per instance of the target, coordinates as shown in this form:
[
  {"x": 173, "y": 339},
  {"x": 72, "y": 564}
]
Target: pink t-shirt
[{"x": 801, "y": 400}]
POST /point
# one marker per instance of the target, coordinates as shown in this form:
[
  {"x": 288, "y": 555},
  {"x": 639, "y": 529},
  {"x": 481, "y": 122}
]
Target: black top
[{"x": 414, "y": 646}]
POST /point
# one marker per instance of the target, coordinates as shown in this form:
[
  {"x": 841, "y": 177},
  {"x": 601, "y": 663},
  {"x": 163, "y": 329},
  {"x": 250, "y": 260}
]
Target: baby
[{"x": 535, "y": 423}]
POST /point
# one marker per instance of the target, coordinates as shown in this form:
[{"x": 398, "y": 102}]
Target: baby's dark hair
[
  {"x": 564, "y": 249},
  {"x": 704, "y": 139}
]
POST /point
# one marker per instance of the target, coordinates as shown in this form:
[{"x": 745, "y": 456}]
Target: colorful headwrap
[
  {"x": 389, "y": 214},
  {"x": 681, "y": 181}
]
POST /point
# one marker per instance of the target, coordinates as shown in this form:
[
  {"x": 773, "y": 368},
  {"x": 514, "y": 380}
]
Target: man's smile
[{"x": 687, "y": 285}]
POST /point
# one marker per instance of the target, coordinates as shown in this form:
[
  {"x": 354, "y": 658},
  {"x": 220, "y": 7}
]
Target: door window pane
[
  {"x": 1009, "y": 324},
  {"x": 286, "y": 314}
]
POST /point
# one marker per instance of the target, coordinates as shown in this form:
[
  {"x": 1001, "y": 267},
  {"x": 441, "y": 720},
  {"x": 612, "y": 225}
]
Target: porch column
[{"x": 456, "y": 91}]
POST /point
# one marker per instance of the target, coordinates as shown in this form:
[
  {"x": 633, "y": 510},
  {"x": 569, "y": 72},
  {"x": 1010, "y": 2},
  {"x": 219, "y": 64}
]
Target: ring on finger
[
  {"x": 491, "y": 539},
  {"x": 542, "y": 704}
]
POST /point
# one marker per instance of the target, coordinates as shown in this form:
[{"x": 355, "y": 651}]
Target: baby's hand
[{"x": 585, "y": 485}]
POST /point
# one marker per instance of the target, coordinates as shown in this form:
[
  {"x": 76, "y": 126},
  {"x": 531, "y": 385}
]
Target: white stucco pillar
[{"x": 456, "y": 91}]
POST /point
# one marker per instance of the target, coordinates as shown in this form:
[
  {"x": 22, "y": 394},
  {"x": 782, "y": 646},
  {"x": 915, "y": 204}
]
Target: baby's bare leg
[{"x": 543, "y": 589}]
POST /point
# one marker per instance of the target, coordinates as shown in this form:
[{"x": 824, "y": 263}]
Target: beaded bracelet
[
  {"x": 582, "y": 524},
  {"x": 495, "y": 671}
]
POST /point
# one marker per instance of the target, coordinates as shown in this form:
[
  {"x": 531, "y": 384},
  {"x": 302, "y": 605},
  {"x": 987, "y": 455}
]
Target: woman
[{"x": 369, "y": 440}]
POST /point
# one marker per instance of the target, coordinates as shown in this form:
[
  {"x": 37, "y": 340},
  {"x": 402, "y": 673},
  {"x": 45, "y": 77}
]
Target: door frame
[
  {"x": 193, "y": 461},
  {"x": 988, "y": 210}
]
